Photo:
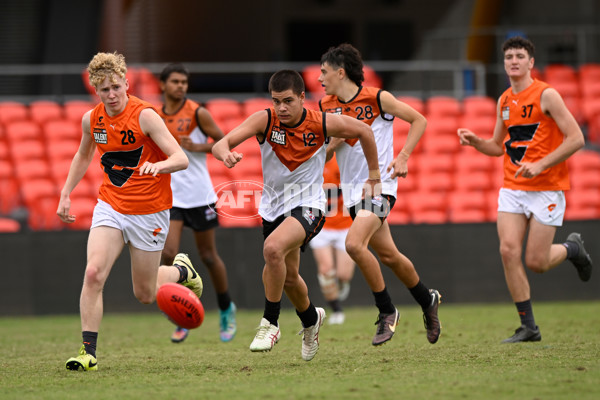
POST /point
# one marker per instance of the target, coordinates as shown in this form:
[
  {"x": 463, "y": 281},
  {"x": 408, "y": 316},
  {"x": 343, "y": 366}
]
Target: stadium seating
[
  {"x": 8, "y": 225},
  {"x": 44, "y": 110},
  {"x": 74, "y": 109},
  {"x": 254, "y": 104},
  {"x": 17, "y": 131},
  {"x": 447, "y": 183},
  {"x": 13, "y": 111},
  {"x": 222, "y": 109},
  {"x": 61, "y": 129},
  {"x": 414, "y": 102}
]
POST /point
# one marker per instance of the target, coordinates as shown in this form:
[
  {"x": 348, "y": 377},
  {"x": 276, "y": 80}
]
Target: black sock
[
  {"x": 526, "y": 313},
  {"x": 89, "y": 341},
  {"x": 272, "y": 310},
  {"x": 383, "y": 301},
  {"x": 335, "y": 305},
  {"x": 572, "y": 249},
  {"x": 308, "y": 317},
  {"x": 421, "y": 295},
  {"x": 183, "y": 272},
  {"x": 223, "y": 300}
]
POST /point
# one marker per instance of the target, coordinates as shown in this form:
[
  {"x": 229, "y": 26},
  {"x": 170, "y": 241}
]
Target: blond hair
[{"x": 106, "y": 65}]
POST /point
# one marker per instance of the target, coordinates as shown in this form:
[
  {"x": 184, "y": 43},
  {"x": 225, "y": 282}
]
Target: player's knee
[
  {"x": 509, "y": 251},
  {"x": 145, "y": 296},
  {"x": 272, "y": 253},
  {"x": 536, "y": 264},
  {"x": 208, "y": 259},
  {"x": 94, "y": 276},
  {"x": 354, "y": 248}
]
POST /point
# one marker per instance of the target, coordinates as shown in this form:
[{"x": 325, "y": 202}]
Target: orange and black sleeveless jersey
[
  {"x": 337, "y": 215},
  {"x": 532, "y": 135},
  {"x": 124, "y": 148},
  {"x": 183, "y": 121}
]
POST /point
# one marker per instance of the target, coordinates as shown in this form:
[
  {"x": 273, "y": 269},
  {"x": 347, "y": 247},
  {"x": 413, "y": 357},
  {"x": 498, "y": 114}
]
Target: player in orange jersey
[
  {"x": 193, "y": 195},
  {"x": 292, "y": 146},
  {"x": 138, "y": 153},
  {"x": 335, "y": 266},
  {"x": 536, "y": 133},
  {"x": 342, "y": 77}
]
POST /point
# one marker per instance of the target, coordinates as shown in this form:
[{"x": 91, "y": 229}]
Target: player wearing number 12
[{"x": 540, "y": 135}]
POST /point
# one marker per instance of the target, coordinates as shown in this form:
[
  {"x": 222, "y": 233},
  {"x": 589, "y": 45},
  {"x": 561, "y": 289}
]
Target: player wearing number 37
[
  {"x": 137, "y": 155},
  {"x": 539, "y": 134}
]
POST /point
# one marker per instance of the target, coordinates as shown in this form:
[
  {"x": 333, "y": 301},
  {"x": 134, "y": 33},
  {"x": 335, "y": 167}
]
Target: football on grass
[{"x": 180, "y": 305}]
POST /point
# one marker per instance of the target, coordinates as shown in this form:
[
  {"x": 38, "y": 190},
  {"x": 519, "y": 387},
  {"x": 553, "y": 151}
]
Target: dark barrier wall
[{"x": 42, "y": 271}]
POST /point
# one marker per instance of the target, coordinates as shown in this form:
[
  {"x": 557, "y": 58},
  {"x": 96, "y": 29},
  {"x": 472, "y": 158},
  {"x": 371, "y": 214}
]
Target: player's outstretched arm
[{"x": 254, "y": 125}]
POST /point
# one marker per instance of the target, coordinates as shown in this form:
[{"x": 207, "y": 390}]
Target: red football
[{"x": 180, "y": 305}]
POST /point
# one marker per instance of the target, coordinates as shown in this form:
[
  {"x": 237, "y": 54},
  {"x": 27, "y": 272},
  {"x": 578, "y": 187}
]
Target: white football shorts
[
  {"x": 330, "y": 237},
  {"x": 547, "y": 207},
  {"x": 145, "y": 232}
]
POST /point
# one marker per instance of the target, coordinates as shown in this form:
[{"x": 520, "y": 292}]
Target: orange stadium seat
[
  {"x": 583, "y": 204},
  {"x": 26, "y": 150},
  {"x": 62, "y": 129},
  {"x": 468, "y": 207},
  {"x": 45, "y": 110},
  {"x": 479, "y": 106},
  {"x": 42, "y": 215},
  {"x": 589, "y": 72},
  {"x": 3, "y": 150},
  {"x": 57, "y": 150},
  {"x": 443, "y": 125},
  {"x": 443, "y": 106},
  {"x": 83, "y": 209},
  {"x": 311, "y": 74},
  {"x": 254, "y": 104},
  {"x": 428, "y": 207},
  {"x": 567, "y": 88},
  {"x": 481, "y": 125},
  {"x": 35, "y": 189},
  {"x": 310, "y": 104},
  {"x": 9, "y": 225},
  {"x": 26, "y": 169},
  {"x": 435, "y": 181},
  {"x": 10, "y": 195},
  {"x": 585, "y": 180},
  {"x": 472, "y": 181},
  {"x": 440, "y": 144},
  {"x": 559, "y": 72},
  {"x": 471, "y": 160},
  {"x": 222, "y": 109},
  {"x": 74, "y": 110},
  {"x": 437, "y": 163},
  {"x": 590, "y": 90},
  {"x": 23, "y": 130},
  {"x": 584, "y": 160},
  {"x": 414, "y": 102},
  {"x": 13, "y": 111}
]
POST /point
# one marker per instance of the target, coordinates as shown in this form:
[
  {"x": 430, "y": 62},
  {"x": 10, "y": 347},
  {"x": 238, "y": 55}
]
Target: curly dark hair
[
  {"x": 518, "y": 42},
  {"x": 347, "y": 57}
]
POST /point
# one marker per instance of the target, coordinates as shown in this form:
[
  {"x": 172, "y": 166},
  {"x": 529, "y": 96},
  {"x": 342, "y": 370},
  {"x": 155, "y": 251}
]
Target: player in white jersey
[
  {"x": 292, "y": 141},
  {"x": 342, "y": 77},
  {"x": 193, "y": 195}
]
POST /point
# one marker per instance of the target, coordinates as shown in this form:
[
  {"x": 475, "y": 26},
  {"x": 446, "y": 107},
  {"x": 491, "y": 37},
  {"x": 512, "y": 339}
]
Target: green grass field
[{"x": 137, "y": 361}]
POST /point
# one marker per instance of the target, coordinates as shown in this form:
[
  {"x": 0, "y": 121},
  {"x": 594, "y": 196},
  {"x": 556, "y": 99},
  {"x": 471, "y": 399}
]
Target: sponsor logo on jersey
[
  {"x": 100, "y": 136},
  {"x": 336, "y": 110},
  {"x": 278, "y": 135},
  {"x": 505, "y": 113}
]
